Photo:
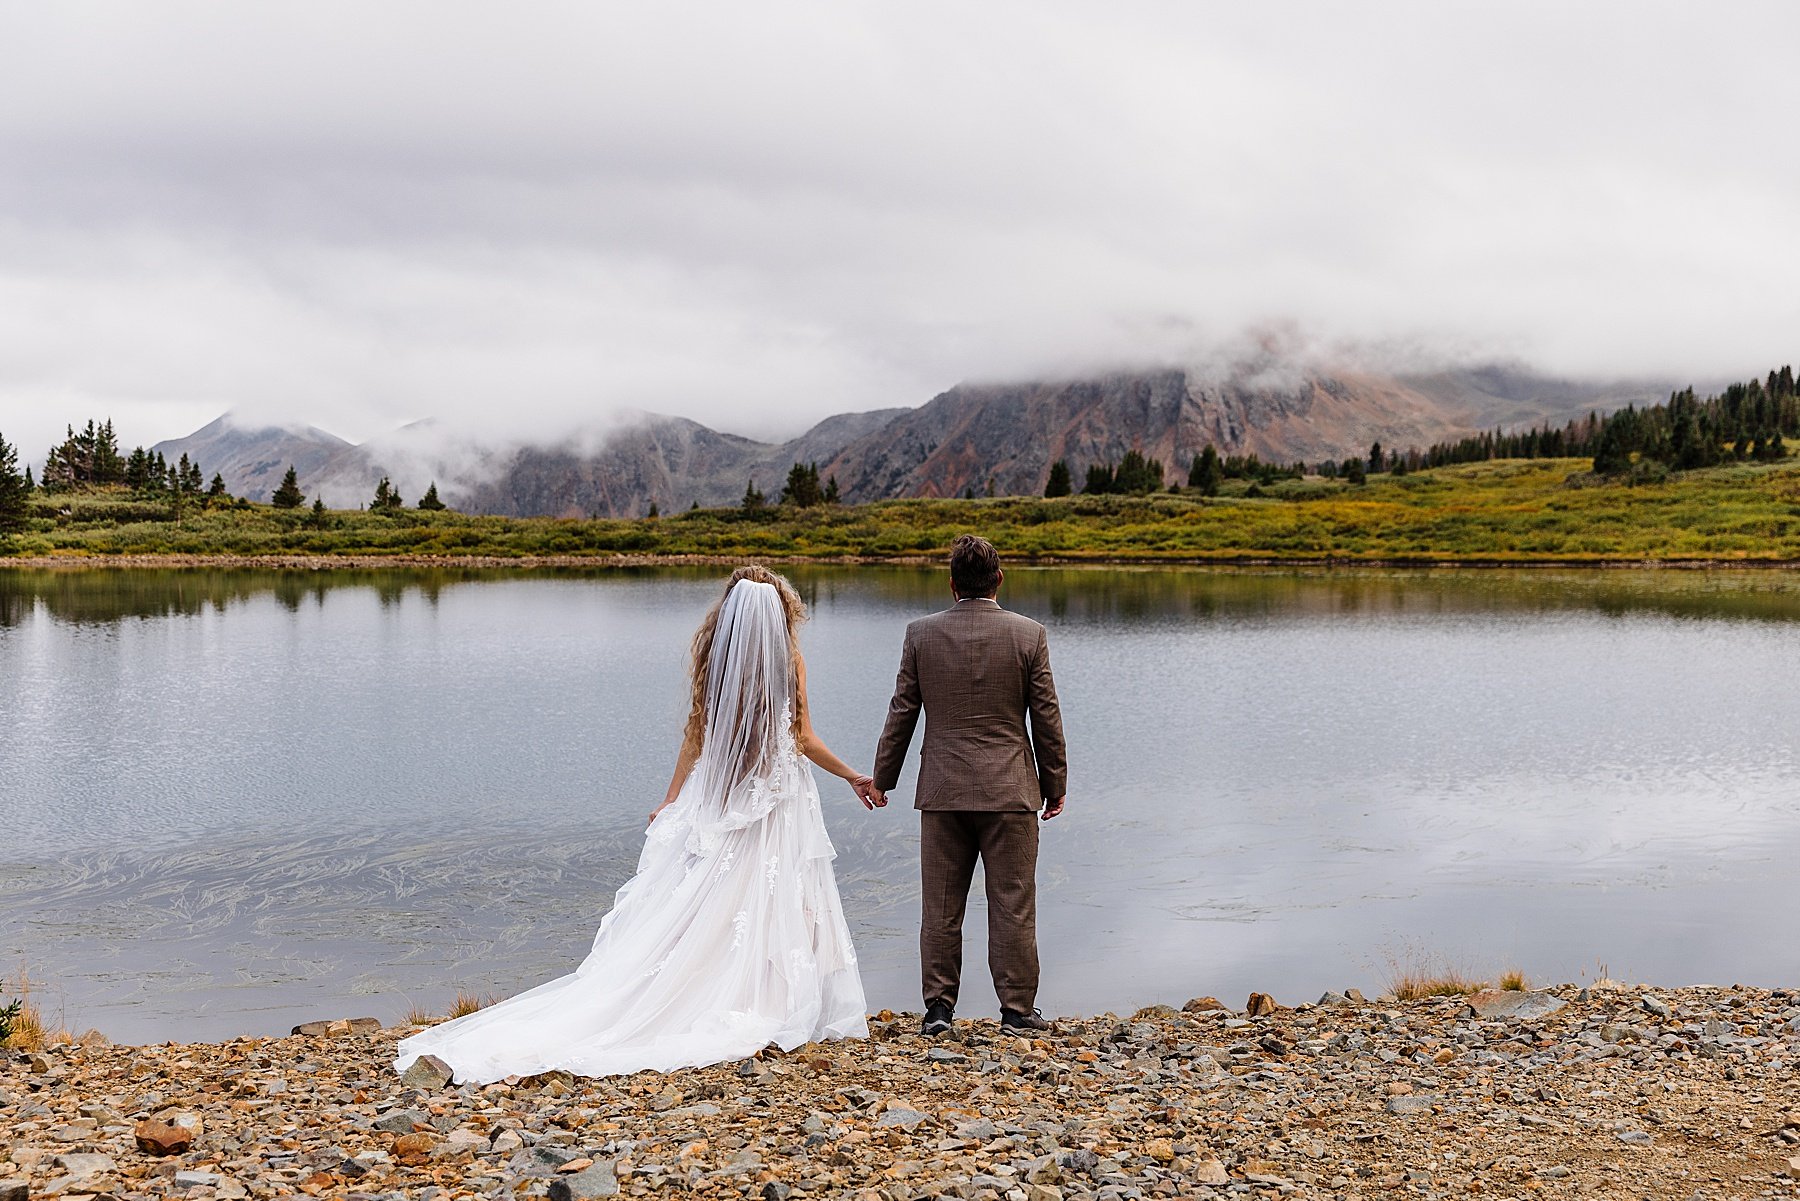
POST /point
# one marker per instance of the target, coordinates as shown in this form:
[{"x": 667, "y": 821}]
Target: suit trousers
[{"x": 1006, "y": 843}]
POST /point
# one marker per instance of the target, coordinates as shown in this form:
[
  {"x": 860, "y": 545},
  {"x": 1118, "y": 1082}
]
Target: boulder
[
  {"x": 597, "y": 1180},
  {"x": 1260, "y": 1004},
  {"x": 1204, "y": 1005},
  {"x": 85, "y": 1164}
]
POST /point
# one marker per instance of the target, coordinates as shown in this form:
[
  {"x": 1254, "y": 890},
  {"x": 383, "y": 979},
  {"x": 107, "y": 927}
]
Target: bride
[{"x": 730, "y": 936}]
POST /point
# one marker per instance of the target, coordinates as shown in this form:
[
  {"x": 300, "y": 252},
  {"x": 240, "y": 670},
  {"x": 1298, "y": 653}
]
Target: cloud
[{"x": 523, "y": 219}]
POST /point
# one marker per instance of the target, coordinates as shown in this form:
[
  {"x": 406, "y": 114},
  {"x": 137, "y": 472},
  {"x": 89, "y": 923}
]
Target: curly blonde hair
[{"x": 791, "y": 604}]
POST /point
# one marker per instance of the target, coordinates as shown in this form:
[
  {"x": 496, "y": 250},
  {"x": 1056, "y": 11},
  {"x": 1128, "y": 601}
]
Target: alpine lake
[{"x": 231, "y": 801}]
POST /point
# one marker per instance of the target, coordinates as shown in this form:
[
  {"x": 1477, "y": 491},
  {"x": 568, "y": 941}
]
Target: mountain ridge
[{"x": 969, "y": 438}]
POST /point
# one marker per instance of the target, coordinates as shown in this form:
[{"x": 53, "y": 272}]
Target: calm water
[{"x": 234, "y": 801}]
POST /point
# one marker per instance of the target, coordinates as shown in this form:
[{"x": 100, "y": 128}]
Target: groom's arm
[
  {"x": 902, "y": 718},
  {"x": 1046, "y": 725}
]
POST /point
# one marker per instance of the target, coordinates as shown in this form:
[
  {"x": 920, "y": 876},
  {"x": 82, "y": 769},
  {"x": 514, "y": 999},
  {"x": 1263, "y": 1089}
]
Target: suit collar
[{"x": 977, "y": 602}]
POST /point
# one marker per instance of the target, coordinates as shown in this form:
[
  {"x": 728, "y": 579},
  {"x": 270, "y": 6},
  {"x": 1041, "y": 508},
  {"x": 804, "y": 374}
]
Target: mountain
[
  {"x": 1003, "y": 435},
  {"x": 253, "y": 458}
]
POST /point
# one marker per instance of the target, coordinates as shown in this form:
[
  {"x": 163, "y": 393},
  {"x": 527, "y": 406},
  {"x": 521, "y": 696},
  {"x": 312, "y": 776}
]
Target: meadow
[{"x": 1501, "y": 511}]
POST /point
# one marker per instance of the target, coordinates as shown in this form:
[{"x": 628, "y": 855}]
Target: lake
[{"x": 236, "y": 800}]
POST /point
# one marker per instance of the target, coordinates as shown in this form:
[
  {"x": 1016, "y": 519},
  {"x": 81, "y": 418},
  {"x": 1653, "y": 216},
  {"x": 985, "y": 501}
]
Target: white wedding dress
[{"x": 730, "y": 936}]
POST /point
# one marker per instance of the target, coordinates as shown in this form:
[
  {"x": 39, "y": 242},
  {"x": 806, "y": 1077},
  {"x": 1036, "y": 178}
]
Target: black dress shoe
[
  {"x": 937, "y": 1019},
  {"x": 1021, "y": 1023}
]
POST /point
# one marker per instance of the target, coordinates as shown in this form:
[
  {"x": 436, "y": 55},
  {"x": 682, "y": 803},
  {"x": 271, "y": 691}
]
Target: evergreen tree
[
  {"x": 1099, "y": 479},
  {"x": 108, "y": 465},
  {"x": 1205, "y": 473},
  {"x": 802, "y": 490},
  {"x": 288, "y": 496},
  {"x": 30, "y": 484},
  {"x": 1059, "y": 483},
  {"x": 1355, "y": 472},
  {"x": 216, "y": 490},
  {"x": 430, "y": 502},
  {"x": 654, "y": 511},
  {"x": 1138, "y": 475},
  {"x": 831, "y": 490},
  {"x": 387, "y": 498},
  {"x": 1376, "y": 459},
  {"x": 1613, "y": 455},
  {"x": 137, "y": 471},
  {"x": 753, "y": 501},
  {"x": 317, "y": 520},
  {"x": 12, "y": 489}
]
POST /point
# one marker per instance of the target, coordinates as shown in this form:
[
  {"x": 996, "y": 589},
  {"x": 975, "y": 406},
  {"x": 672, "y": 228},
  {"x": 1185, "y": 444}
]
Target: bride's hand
[
  {"x": 654, "y": 813},
  {"x": 871, "y": 796}
]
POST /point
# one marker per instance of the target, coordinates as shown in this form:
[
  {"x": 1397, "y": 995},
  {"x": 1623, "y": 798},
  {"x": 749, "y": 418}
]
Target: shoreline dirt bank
[
  {"x": 595, "y": 562},
  {"x": 1606, "y": 1091}
]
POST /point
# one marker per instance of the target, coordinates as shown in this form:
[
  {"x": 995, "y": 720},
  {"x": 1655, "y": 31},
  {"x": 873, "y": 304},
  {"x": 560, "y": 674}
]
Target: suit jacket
[{"x": 976, "y": 671}]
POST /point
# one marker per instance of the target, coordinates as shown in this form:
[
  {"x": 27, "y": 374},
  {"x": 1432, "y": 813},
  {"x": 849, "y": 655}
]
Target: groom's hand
[
  {"x": 871, "y": 796},
  {"x": 1052, "y": 807}
]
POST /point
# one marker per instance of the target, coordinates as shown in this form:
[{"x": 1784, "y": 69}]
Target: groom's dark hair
[{"x": 974, "y": 566}]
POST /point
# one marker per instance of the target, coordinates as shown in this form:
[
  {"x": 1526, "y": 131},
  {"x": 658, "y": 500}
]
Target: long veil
[{"x": 749, "y": 703}]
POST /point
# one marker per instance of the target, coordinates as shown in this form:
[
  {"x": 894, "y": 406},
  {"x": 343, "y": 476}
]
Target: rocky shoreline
[{"x": 1602, "y": 1091}]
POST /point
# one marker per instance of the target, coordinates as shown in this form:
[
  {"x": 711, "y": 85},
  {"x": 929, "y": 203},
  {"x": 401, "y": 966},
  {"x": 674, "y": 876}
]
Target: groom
[{"x": 984, "y": 780}]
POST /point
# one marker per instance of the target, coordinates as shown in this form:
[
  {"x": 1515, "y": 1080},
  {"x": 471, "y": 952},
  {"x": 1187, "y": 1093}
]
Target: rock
[
  {"x": 945, "y": 1055},
  {"x": 1407, "y": 1105},
  {"x": 415, "y": 1148},
  {"x": 1636, "y": 1138},
  {"x": 1204, "y": 1005},
  {"x": 1210, "y": 1171},
  {"x": 464, "y": 1139},
  {"x": 1080, "y": 1162},
  {"x": 312, "y": 1029},
  {"x": 1655, "y": 1006},
  {"x": 1334, "y": 1000},
  {"x": 1273, "y": 1045},
  {"x": 85, "y": 1164},
  {"x": 596, "y": 1180},
  {"x": 1355, "y": 996},
  {"x": 15, "y": 1190},
  {"x": 1260, "y": 1005},
  {"x": 1044, "y": 1192},
  {"x": 775, "y": 1190},
  {"x": 907, "y": 1119},
  {"x": 162, "y": 1138},
  {"x": 196, "y": 1179},
  {"x": 508, "y": 1140},
  {"x": 1793, "y": 1168},
  {"x": 1160, "y": 1149},
  {"x": 402, "y": 1121},
  {"x": 1491, "y": 1003},
  {"x": 428, "y": 1074}
]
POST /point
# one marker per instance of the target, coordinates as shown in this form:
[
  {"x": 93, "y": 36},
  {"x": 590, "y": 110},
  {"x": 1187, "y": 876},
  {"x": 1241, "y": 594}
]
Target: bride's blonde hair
[{"x": 792, "y": 606}]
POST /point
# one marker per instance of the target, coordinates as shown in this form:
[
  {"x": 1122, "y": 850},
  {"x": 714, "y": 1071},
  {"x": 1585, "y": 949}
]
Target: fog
[{"x": 527, "y": 220}]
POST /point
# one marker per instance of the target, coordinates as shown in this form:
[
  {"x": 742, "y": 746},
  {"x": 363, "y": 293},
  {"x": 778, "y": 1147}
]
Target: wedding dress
[{"x": 730, "y": 936}]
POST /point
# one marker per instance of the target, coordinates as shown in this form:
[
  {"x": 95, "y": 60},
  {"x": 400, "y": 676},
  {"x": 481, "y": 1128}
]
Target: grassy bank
[{"x": 1508, "y": 511}]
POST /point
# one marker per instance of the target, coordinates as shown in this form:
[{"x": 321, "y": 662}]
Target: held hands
[
  {"x": 871, "y": 796},
  {"x": 1052, "y": 807}
]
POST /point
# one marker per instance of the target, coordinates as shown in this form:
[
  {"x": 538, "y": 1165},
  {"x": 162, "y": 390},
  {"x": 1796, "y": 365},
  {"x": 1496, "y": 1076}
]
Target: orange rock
[
  {"x": 1260, "y": 1004},
  {"x": 161, "y": 1138},
  {"x": 414, "y": 1148}
]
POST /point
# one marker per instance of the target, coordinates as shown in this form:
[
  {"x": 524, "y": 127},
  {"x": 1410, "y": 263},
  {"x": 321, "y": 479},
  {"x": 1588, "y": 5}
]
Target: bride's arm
[
  {"x": 683, "y": 765},
  {"x": 812, "y": 748}
]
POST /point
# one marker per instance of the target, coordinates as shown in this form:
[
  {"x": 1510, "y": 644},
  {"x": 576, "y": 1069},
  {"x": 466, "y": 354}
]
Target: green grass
[{"x": 1506, "y": 511}]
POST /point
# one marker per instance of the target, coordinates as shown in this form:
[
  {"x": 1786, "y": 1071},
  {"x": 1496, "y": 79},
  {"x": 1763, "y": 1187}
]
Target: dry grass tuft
[
  {"x": 417, "y": 1015},
  {"x": 30, "y": 1030},
  {"x": 468, "y": 1002},
  {"x": 1514, "y": 980},
  {"x": 1444, "y": 982}
]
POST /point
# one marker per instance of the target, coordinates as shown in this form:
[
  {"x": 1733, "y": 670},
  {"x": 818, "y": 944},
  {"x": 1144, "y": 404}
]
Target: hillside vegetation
[{"x": 1542, "y": 510}]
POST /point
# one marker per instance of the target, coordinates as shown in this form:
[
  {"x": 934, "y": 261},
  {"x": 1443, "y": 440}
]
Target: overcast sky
[{"x": 532, "y": 215}]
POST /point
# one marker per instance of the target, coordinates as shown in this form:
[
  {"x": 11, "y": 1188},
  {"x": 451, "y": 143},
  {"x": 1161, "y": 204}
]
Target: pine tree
[
  {"x": 12, "y": 489},
  {"x": 753, "y": 501},
  {"x": 387, "y": 498},
  {"x": 802, "y": 490},
  {"x": 831, "y": 490},
  {"x": 288, "y": 496},
  {"x": 1355, "y": 471},
  {"x": 137, "y": 471},
  {"x": 1205, "y": 473},
  {"x": 1099, "y": 479},
  {"x": 430, "y": 502},
  {"x": 1376, "y": 459},
  {"x": 654, "y": 511},
  {"x": 1059, "y": 483},
  {"x": 216, "y": 491}
]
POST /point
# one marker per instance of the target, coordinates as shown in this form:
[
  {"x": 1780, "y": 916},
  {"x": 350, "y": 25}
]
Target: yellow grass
[
  {"x": 1513, "y": 980},
  {"x": 1413, "y": 975},
  {"x": 468, "y": 1002},
  {"x": 418, "y": 1015},
  {"x": 31, "y": 1031}
]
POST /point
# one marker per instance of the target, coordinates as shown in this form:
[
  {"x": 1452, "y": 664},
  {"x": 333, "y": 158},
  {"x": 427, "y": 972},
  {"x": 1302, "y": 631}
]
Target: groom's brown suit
[{"x": 977, "y": 671}]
